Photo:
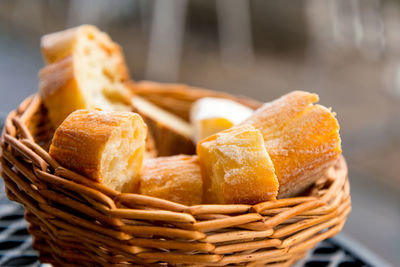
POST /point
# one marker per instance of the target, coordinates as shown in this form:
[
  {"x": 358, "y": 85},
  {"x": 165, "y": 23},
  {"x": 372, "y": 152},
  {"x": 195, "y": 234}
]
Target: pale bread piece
[
  {"x": 87, "y": 70},
  {"x": 175, "y": 178},
  {"x": 236, "y": 167},
  {"x": 302, "y": 139},
  {"x": 210, "y": 115},
  {"x": 172, "y": 135},
  {"x": 105, "y": 146}
]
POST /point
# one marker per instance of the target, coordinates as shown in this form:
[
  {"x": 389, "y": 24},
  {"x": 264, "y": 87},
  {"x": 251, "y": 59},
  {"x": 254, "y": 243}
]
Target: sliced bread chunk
[
  {"x": 105, "y": 146},
  {"x": 86, "y": 70},
  {"x": 301, "y": 138}
]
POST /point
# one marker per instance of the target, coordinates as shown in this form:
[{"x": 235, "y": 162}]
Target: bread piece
[
  {"x": 87, "y": 70},
  {"x": 302, "y": 139},
  {"x": 236, "y": 167},
  {"x": 172, "y": 135},
  {"x": 106, "y": 146},
  {"x": 176, "y": 178},
  {"x": 210, "y": 115}
]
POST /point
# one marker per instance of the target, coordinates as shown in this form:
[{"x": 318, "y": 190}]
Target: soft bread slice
[
  {"x": 176, "y": 178},
  {"x": 105, "y": 146},
  {"x": 87, "y": 70},
  {"x": 210, "y": 115},
  {"x": 236, "y": 167},
  {"x": 172, "y": 135},
  {"x": 302, "y": 139}
]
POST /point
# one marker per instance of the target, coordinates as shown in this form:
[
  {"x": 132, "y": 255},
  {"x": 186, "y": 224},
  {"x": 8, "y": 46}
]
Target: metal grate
[{"x": 330, "y": 253}]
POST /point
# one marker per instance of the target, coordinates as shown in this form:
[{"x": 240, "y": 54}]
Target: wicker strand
[
  {"x": 80, "y": 207},
  {"x": 50, "y": 178},
  {"x": 133, "y": 200},
  {"x": 26, "y": 152},
  {"x": 77, "y": 178}
]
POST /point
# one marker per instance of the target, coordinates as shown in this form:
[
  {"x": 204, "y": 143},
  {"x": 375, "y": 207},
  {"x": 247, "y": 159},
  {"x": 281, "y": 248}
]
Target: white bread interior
[{"x": 123, "y": 156}]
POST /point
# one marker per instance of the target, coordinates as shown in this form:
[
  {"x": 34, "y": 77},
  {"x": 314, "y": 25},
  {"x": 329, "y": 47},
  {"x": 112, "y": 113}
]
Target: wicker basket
[{"x": 77, "y": 222}]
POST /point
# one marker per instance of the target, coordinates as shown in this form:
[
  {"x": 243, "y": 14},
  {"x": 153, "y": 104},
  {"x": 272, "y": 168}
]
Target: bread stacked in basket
[{"x": 189, "y": 148}]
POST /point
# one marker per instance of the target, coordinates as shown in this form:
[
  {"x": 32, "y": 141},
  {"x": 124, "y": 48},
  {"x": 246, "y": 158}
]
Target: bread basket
[{"x": 77, "y": 222}]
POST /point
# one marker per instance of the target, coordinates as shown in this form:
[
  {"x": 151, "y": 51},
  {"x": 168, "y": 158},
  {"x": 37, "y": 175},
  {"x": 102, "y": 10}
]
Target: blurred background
[{"x": 347, "y": 51}]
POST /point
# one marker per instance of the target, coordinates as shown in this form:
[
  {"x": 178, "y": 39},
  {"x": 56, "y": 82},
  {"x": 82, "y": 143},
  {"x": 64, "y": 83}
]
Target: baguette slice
[
  {"x": 87, "y": 70},
  {"x": 236, "y": 167},
  {"x": 176, "y": 178},
  {"x": 172, "y": 135},
  {"x": 302, "y": 139},
  {"x": 105, "y": 146}
]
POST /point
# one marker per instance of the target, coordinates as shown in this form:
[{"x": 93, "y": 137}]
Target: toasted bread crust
[
  {"x": 79, "y": 143},
  {"x": 176, "y": 178},
  {"x": 60, "y": 90},
  {"x": 236, "y": 167},
  {"x": 302, "y": 139}
]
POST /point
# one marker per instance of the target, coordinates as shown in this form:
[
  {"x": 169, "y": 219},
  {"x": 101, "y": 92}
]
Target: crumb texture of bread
[
  {"x": 105, "y": 146},
  {"x": 175, "y": 178},
  {"x": 86, "y": 70},
  {"x": 236, "y": 167},
  {"x": 301, "y": 138}
]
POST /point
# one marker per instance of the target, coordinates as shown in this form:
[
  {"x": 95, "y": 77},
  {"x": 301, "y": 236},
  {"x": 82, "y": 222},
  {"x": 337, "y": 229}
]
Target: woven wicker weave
[{"x": 77, "y": 222}]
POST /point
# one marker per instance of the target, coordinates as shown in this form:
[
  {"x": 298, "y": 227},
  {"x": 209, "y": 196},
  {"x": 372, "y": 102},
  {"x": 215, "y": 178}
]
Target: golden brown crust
[
  {"x": 272, "y": 116},
  {"x": 176, "y": 178},
  {"x": 301, "y": 138},
  {"x": 60, "y": 91},
  {"x": 80, "y": 141},
  {"x": 236, "y": 167}
]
